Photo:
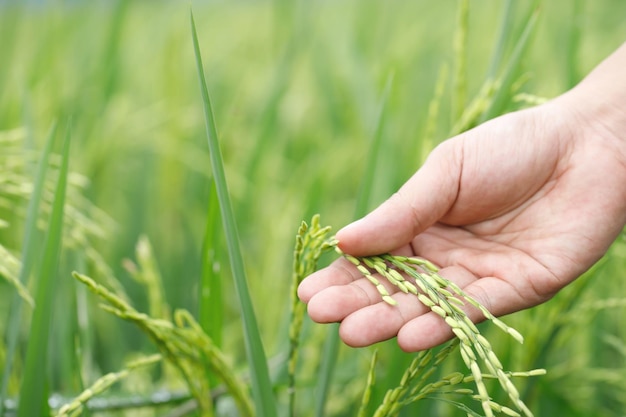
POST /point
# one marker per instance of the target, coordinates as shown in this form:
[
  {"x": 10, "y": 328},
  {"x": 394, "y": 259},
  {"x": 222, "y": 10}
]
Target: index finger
[{"x": 340, "y": 272}]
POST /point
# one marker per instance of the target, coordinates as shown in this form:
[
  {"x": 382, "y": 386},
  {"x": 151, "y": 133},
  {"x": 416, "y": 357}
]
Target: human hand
[{"x": 513, "y": 211}]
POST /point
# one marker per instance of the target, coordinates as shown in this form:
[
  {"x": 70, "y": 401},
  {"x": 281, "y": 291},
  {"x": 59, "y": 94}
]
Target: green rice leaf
[
  {"x": 506, "y": 23},
  {"x": 573, "y": 44},
  {"x": 259, "y": 373},
  {"x": 499, "y": 102},
  {"x": 364, "y": 196},
  {"x": 460, "y": 60},
  {"x": 210, "y": 315},
  {"x": 33, "y": 392},
  {"x": 28, "y": 256},
  {"x": 369, "y": 386}
]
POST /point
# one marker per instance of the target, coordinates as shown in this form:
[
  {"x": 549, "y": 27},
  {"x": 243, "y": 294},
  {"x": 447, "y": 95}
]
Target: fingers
[
  {"x": 366, "y": 319},
  {"x": 339, "y": 293},
  {"x": 335, "y": 292},
  {"x": 380, "y": 321},
  {"x": 417, "y": 327},
  {"x": 429, "y": 330},
  {"x": 340, "y": 272},
  {"x": 420, "y": 202}
]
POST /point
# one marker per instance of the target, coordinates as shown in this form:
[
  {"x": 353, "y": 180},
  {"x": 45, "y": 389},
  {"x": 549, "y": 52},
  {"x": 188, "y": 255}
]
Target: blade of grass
[
  {"x": 573, "y": 44},
  {"x": 210, "y": 306},
  {"x": 268, "y": 121},
  {"x": 329, "y": 361},
  {"x": 33, "y": 399},
  {"x": 331, "y": 345},
  {"x": 434, "y": 106},
  {"x": 498, "y": 103},
  {"x": 506, "y": 23},
  {"x": 371, "y": 380},
  {"x": 569, "y": 301},
  {"x": 259, "y": 374},
  {"x": 28, "y": 257},
  {"x": 364, "y": 196},
  {"x": 460, "y": 61},
  {"x": 84, "y": 340}
]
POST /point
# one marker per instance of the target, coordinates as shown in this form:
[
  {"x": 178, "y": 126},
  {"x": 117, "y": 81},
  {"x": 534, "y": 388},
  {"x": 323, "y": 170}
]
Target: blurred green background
[{"x": 296, "y": 87}]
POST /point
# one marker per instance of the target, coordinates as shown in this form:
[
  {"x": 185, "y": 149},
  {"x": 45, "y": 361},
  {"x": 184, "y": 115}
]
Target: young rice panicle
[{"x": 184, "y": 344}]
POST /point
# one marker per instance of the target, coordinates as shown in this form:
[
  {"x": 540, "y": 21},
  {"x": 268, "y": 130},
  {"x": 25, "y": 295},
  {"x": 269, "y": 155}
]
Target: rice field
[{"x": 120, "y": 282}]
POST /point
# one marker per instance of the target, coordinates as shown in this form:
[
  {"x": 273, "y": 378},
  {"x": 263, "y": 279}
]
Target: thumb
[{"x": 424, "y": 199}]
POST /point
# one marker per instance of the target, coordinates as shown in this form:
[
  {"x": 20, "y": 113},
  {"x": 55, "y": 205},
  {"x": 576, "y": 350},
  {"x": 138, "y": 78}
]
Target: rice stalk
[
  {"x": 327, "y": 368},
  {"x": 146, "y": 272},
  {"x": 470, "y": 116},
  {"x": 421, "y": 368},
  {"x": 369, "y": 386},
  {"x": 82, "y": 218},
  {"x": 430, "y": 131},
  {"x": 529, "y": 99},
  {"x": 76, "y": 406},
  {"x": 184, "y": 344},
  {"x": 84, "y": 223},
  {"x": 123, "y": 405},
  {"x": 613, "y": 302},
  {"x": 311, "y": 242}
]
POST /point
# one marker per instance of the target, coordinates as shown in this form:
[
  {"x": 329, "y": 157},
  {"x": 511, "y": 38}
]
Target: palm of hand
[{"x": 514, "y": 210}]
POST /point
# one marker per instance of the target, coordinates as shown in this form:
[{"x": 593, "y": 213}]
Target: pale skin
[{"x": 512, "y": 210}]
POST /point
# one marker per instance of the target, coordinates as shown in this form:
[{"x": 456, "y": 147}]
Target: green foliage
[
  {"x": 311, "y": 242},
  {"x": 322, "y": 106},
  {"x": 184, "y": 344},
  {"x": 255, "y": 353},
  {"x": 33, "y": 397},
  {"x": 77, "y": 405}
]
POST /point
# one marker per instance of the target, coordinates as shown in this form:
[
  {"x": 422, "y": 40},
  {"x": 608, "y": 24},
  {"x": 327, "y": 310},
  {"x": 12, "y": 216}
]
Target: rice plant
[{"x": 183, "y": 300}]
